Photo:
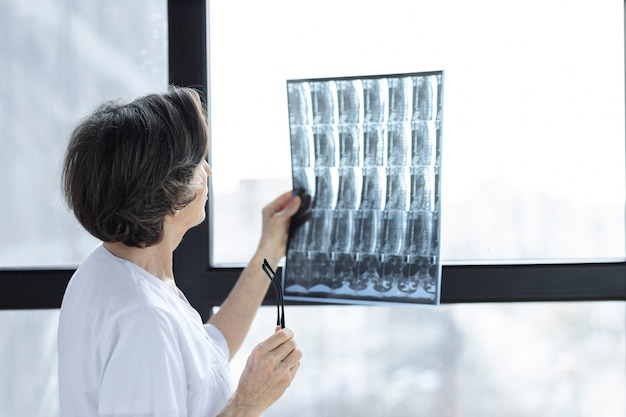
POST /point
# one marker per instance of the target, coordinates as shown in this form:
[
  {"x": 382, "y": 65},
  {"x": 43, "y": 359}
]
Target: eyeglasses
[{"x": 278, "y": 291}]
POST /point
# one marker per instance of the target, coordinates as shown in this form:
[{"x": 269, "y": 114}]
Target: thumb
[{"x": 293, "y": 206}]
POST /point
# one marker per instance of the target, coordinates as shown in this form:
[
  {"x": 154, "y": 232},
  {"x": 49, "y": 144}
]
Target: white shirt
[{"x": 129, "y": 346}]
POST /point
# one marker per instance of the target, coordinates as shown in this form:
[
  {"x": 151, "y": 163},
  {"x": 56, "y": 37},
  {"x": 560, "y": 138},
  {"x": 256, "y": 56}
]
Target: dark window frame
[{"x": 207, "y": 286}]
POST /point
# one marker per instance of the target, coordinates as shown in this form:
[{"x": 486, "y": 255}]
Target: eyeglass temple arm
[
  {"x": 278, "y": 289},
  {"x": 275, "y": 294}
]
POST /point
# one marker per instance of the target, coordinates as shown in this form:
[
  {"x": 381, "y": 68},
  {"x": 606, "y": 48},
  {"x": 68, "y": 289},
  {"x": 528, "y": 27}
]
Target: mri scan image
[{"x": 367, "y": 150}]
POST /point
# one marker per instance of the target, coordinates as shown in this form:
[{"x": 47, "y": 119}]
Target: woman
[{"x": 130, "y": 344}]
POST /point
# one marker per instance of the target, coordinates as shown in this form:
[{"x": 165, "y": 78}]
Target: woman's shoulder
[
  {"x": 101, "y": 274},
  {"x": 105, "y": 284}
]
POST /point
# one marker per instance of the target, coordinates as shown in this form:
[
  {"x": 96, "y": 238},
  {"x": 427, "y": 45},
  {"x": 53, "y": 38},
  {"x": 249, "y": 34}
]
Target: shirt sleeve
[
  {"x": 143, "y": 372},
  {"x": 217, "y": 337}
]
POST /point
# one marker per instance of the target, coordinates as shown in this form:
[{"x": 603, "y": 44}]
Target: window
[
  {"x": 61, "y": 59},
  {"x": 533, "y": 127},
  {"x": 532, "y": 202},
  {"x": 28, "y": 358},
  {"x": 461, "y": 360}
]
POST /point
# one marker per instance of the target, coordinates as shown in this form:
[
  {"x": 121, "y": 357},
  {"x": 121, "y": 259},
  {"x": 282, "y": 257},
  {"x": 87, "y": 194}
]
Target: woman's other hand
[{"x": 268, "y": 373}]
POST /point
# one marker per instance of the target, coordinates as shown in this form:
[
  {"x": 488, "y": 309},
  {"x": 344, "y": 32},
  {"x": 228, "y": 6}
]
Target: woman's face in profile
[{"x": 194, "y": 213}]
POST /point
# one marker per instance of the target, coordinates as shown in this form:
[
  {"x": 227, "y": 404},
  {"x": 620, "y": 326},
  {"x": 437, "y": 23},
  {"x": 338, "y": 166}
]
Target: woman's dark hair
[{"x": 128, "y": 165}]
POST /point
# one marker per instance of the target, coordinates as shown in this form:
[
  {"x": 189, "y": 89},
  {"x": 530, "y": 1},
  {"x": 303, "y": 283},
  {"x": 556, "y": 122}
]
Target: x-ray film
[{"x": 368, "y": 150}]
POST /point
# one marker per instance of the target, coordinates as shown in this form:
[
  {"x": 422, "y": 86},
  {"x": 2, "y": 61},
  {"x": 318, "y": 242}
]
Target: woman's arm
[{"x": 238, "y": 310}]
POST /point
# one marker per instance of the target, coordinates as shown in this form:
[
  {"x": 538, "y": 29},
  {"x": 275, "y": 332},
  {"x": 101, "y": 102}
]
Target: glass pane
[
  {"x": 28, "y": 359},
  {"x": 59, "y": 60},
  {"x": 473, "y": 360},
  {"x": 533, "y": 135}
]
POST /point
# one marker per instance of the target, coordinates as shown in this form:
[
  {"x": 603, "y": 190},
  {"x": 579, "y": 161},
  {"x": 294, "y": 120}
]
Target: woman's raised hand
[{"x": 276, "y": 218}]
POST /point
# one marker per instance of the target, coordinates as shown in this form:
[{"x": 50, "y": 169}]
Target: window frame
[{"x": 207, "y": 286}]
